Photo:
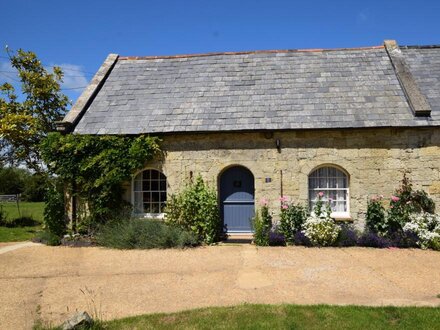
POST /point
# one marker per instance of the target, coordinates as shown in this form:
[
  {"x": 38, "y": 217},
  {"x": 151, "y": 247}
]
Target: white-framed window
[
  {"x": 149, "y": 193},
  {"x": 334, "y": 186}
]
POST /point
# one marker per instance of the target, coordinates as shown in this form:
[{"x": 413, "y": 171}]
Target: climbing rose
[
  {"x": 284, "y": 206},
  {"x": 395, "y": 198},
  {"x": 320, "y": 194},
  {"x": 284, "y": 199},
  {"x": 264, "y": 201}
]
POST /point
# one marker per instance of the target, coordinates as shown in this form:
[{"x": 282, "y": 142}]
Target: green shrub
[
  {"x": 376, "y": 216},
  {"x": 262, "y": 226},
  {"x": 47, "y": 238},
  {"x": 404, "y": 202},
  {"x": 196, "y": 209},
  {"x": 143, "y": 234},
  {"x": 291, "y": 219},
  {"x": 54, "y": 216}
]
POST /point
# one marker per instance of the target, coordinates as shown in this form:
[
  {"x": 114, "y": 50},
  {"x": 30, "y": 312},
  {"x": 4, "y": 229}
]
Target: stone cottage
[{"x": 265, "y": 124}]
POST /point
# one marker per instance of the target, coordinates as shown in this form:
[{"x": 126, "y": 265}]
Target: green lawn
[
  {"x": 287, "y": 317},
  {"x": 27, "y": 209}
]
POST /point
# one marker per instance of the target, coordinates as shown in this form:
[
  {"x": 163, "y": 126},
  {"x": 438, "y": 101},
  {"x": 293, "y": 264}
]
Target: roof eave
[{"x": 72, "y": 118}]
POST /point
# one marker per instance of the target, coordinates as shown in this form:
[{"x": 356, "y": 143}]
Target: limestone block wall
[{"x": 375, "y": 160}]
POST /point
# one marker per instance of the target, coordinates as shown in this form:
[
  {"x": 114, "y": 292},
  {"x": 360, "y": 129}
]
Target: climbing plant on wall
[{"x": 93, "y": 167}]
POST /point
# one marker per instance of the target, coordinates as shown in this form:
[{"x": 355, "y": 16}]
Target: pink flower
[
  {"x": 320, "y": 194},
  {"x": 395, "y": 198},
  {"x": 391, "y": 207},
  {"x": 284, "y": 199},
  {"x": 284, "y": 206},
  {"x": 374, "y": 198},
  {"x": 264, "y": 201}
]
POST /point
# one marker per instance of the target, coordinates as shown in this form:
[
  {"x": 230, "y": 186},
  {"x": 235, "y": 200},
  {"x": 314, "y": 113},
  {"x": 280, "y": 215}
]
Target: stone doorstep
[{"x": 243, "y": 238}]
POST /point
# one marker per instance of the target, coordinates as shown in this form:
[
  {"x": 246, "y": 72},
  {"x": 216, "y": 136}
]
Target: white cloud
[
  {"x": 363, "y": 16},
  {"x": 74, "y": 77},
  {"x": 8, "y": 73}
]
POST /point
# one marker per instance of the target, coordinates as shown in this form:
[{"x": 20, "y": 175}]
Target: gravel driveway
[{"x": 51, "y": 283}]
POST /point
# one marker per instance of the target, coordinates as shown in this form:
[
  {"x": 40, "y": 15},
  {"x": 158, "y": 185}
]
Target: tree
[{"x": 23, "y": 124}]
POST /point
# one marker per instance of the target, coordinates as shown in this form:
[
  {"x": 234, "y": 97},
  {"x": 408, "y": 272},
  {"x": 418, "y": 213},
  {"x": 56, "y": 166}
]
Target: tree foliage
[
  {"x": 24, "y": 123},
  {"x": 93, "y": 167}
]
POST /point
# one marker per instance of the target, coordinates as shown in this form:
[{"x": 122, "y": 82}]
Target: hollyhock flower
[{"x": 395, "y": 198}]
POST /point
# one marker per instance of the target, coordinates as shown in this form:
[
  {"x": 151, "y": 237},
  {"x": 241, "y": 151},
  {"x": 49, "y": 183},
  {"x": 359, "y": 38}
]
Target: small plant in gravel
[{"x": 262, "y": 225}]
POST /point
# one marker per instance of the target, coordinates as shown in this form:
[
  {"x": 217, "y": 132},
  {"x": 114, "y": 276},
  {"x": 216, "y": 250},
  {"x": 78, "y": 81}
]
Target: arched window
[
  {"x": 333, "y": 183},
  {"x": 149, "y": 192}
]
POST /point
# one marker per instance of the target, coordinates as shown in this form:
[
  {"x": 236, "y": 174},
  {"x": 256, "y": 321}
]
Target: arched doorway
[{"x": 237, "y": 199}]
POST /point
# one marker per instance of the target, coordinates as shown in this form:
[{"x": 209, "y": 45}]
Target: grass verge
[
  {"x": 288, "y": 317},
  {"x": 27, "y": 209},
  {"x": 285, "y": 317}
]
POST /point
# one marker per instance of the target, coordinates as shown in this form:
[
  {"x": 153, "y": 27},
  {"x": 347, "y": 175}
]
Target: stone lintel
[
  {"x": 417, "y": 101},
  {"x": 87, "y": 96}
]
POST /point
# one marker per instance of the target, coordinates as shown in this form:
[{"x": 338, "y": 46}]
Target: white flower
[
  {"x": 321, "y": 231},
  {"x": 427, "y": 228}
]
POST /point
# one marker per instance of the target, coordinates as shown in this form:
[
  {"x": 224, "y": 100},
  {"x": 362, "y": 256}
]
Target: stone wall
[{"x": 374, "y": 159}]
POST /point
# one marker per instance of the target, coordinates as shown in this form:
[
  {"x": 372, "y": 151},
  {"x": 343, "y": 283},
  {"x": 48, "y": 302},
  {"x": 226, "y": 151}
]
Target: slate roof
[
  {"x": 272, "y": 90},
  {"x": 425, "y": 67}
]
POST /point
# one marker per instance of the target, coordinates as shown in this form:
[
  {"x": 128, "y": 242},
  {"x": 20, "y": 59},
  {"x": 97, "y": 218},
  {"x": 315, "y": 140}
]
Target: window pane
[
  {"x": 163, "y": 185},
  {"x": 137, "y": 185},
  {"x": 162, "y": 207},
  {"x": 155, "y": 196},
  {"x": 154, "y": 208},
  {"x": 146, "y": 186},
  {"x": 154, "y": 185},
  {"x": 138, "y": 208}
]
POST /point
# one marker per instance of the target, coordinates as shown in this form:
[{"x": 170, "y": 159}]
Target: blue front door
[{"x": 237, "y": 199}]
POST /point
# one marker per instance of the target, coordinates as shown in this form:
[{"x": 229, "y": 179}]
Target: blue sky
[{"x": 79, "y": 34}]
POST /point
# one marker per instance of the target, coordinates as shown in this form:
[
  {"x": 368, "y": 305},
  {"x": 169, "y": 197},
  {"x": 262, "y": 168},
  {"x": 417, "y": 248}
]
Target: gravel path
[{"x": 51, "y": 283}]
